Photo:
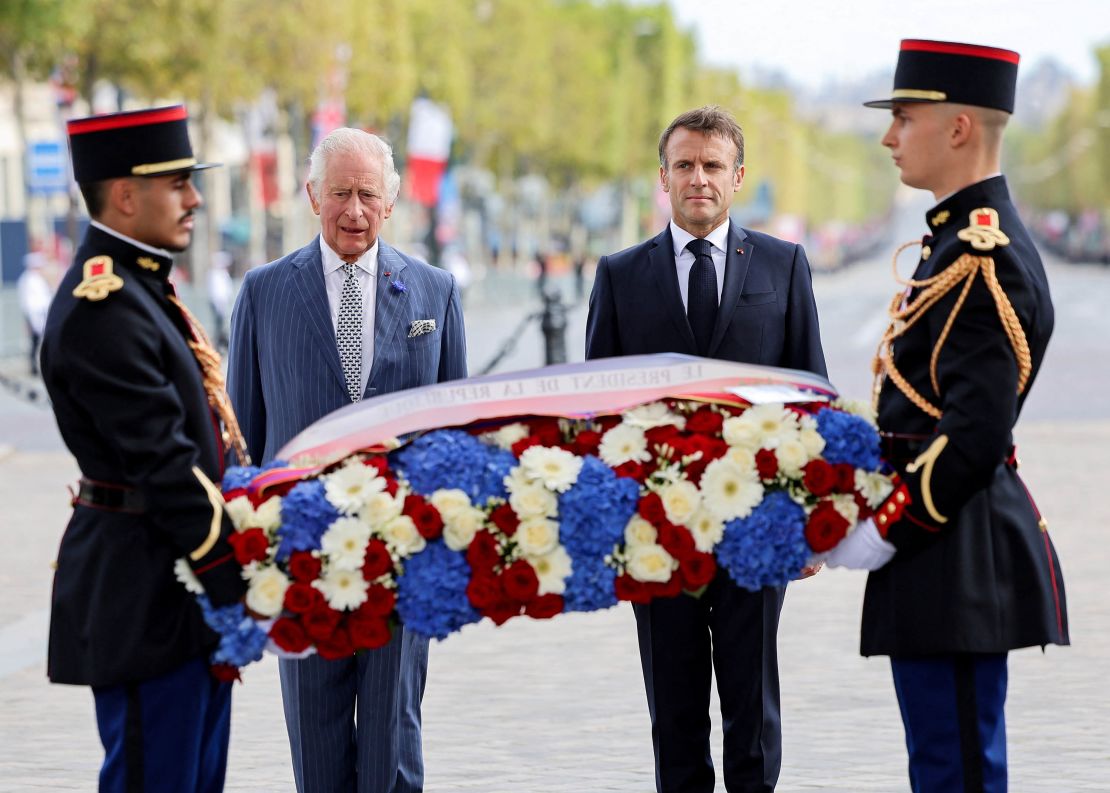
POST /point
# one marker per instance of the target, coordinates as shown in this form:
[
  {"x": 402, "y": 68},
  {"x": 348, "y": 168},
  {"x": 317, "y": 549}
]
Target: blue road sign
[{"x": 47, "y": 167}]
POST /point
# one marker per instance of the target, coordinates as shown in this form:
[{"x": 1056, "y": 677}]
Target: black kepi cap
[
  {"x": 945, "y": 71},
  {"x": 137, "y": 143}
]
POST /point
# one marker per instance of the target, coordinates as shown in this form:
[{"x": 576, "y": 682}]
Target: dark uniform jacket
[
  {"x": 131, "y": 406},
  {"x": 975, "y": 569}
]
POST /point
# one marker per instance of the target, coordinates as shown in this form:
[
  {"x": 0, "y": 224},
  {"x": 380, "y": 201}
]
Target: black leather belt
[
  {"x": 901, "y": 447},
  {"x": 113, "y": 498}
]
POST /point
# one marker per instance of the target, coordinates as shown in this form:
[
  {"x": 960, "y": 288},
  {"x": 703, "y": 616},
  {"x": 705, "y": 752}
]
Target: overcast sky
[{"x": 847, "y": 39}]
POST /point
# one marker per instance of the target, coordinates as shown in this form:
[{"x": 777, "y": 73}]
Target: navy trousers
[
  {"x": 166, "y": 735},
  {"x": 953, "y": 711},
  {"x": 354, "y": 723},
  {"x": 683, "y": 640}
]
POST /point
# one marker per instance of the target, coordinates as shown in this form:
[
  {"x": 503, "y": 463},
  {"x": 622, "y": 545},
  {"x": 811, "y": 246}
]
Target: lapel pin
[{"x": 739, "y": 250}]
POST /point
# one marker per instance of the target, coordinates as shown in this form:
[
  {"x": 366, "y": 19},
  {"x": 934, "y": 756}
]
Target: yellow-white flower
[
  {"x": 533, "y": 500},
  {"x": 448, "y": 502},
  {"x": 556, "y": 468},
  {"x": 810, "y": 437},
  {"x": 266, "y": 590},
  {"x": 244, "y": 516},
  {"x": 729, "y": 491},
  {"x": 622, "y": 444},
  {"x": 707, "y": 530},
  {"x": 401, "y": 536},
  {"x": 505, "y": 437},
  {"x": 184, "y": 573},
  {"x": 344, "y": 543},
  {"x": 742, "y": 456},
  {"x": 874, "y": 487},
  {"x": 846, "y": 505},
  {"x": 459, "y": 529},
  {"x": 680, "y": 500},
  {"x": 349, "y": 486},
  {"x": 650, "y": 563},
  {"x": 381, "y": 508},
  {"x": 639, "y": 532},
  {"x": 343, "y": 589},
  {"x": 857, "y": 408},
  {"x": 537, "y": 536},
  {"x": 791, "y": 454},
  {"x": 766, "y": 426},
  {"x": 552, "y": 569},
  {"x": 653, "y": 414},
  {"x": 741, "y": 434}
]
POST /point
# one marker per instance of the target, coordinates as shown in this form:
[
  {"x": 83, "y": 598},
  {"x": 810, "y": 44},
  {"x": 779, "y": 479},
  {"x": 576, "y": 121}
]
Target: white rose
[
  {"x": 402, "y": 537},
  {"x": 506, "y": 436},
  {"x": 874, "y": 487},
  {"x": 448, "y": 502},
  {"x": 460, "y": 528},
  {"x": 344, "y": 590},
  {"x": 266, "y": 591},
  {"x": 556, "y": 468},
  {"x": 707, "y": 530},
  {"x": 537, "y": 536},
  {"x": 639, "y": 532},
  {"x": 623, "y": 443},
  {"x": 812, "y": 441},
  {"x": 680, "y": 500},
  {"x": 792, "y": 456},
  {"x": 650, "y": 563},
  {"x": 846, "y": 505},
  {"x": 740, "y": 433},
  {"x": 381, "y": 508},
  {"x": 653, "y": 414},
  {"x": 552, "y": 569},
  {"x": 857, "y": 408},
  {"x": 742, "y": 456},
  {"x": 533, "y": 501},
  {"x": 729, "y": 491},
  {"x": 240, "y": 511},
  {"x": 344, "y": 543}
]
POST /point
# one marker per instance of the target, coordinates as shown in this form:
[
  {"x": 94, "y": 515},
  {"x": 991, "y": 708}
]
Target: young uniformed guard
[
  {"x": 972, "y": 573},
  {"x": 139, "y": 400}
]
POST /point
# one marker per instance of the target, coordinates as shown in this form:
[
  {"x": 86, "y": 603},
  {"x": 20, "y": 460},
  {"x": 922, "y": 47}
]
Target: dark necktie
[
  {"x": 348, "y": 332},
  {"x": 701, "y": 297}
]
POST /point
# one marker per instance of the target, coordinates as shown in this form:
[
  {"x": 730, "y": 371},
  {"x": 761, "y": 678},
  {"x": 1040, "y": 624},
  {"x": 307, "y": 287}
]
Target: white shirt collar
[
  {"x": 331, "y": 261},
  {"x": 718, "y": 238},
  {"x": 131, "y": 241}
]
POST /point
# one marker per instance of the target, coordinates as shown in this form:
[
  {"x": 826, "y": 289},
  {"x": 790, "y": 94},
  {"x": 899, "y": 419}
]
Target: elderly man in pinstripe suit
[{"x": 343, "y": 318}]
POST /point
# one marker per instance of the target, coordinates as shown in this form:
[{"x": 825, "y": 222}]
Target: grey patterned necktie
[{"x": 348, "y": 332}]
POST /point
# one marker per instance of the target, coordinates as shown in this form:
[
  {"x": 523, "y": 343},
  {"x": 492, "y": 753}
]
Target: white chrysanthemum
[
  {"x": 344, "y": 543},
  {"x": 742, "y": 456},
  {"x": 381, "y": 508},
  {"x": 460, "y": 528},
  {"x": 741, "y": 434},
  {"x": 623, "y": 443},
  {"x": 349, "y": 487},
  {"x": 812, "y": 441},
  {"x": 846, "y": 505},
  {"x": 184, "y": 573},
  {"x": 650, "y": 563},
  {"x": 680, "y": 500},
  {"x": 556, "y": 468},
  {"x": 653, "y": 414},
  {"x": 533, "y": 500},
  {"x": 344, "y": 590},
  {"x": 857, "y": 408},
  {"x": 402, "y": 537},
  {"x": 537, "y": 536},
  {"x": 552, "y": 569},
  {"x": 729, "y": 491},
  {"x": 448, "y": 502},
  {"x": 760, "y": 427},
  {"x": 244, "y": 516},
  {"x": 505, "y": 437},
  {"x": 639, "y": 532},
  {"x": 266, "y": 591},
  {"x": 874, "y": 487},
  {"x": 707, "y": 530},
  {"x": 792, "y": 456}
]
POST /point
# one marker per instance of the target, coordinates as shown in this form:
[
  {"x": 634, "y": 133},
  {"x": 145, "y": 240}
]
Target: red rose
[
  {"x": 845, "y": 477},
  {"x": 657, "y": 436},
  {"x": 426, "y": 517},
  {"x": 676, "y": 540},
  {"x": 367, "y": 632},
  {"x": 865, "y": 510},
  {"x": 628, "y": 588},
  {"x": 379, "y": 602},
  {"x": 826, "y": 527},
  {"x": 304, "y": 567},
  {"x": 225, "y": 673},
  {"x": 545, "y": 607},
  {"x": 320, "y": 622},
  {"x": 630, "y": 470},
  {"x": 505, "y": 519},
  {"x": 697, "y": 570},
  {"x": 818, "y": 477},
  {"x": 547, "y": 431},
  {"x": 483, "y": 553},
  {"x": 520, "y": 581},
  {"x": 237, "y": 492},
  {"x": 767, "y": 463},
  {"x": 280, "y": 489},
  {"x": 379, "y": 462},
  {"x": 651, "y": 509},
  {"x": 249, "y": 546},
  {"x": 302, "y": 598},
  {"x": 337, "y": 645},
  {"x": 502, "y": 611},
  {"x": 705, "y": 421},
  {"x": 484, "y": 592},
  {"x": 587, "y": 442},
  {"x": 607, "y": 422},
  {"x": 667, "y": 589},
  {"x": 289, "y": 635},
  {"x": 391, "y": 486},
  {"x": 524, "y": 444},
  {"x": 377, "y": 561}
]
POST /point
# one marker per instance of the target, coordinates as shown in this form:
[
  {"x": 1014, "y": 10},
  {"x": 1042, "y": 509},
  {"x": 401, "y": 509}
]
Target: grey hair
[
  {"x": 709, "y": 120},
  {"x": 348, "y": 140}
]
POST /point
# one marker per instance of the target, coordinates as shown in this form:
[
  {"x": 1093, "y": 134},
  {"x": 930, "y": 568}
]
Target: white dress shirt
[
  {"x": 684, "y": 259},
  {"x": 366, "y": 271}
]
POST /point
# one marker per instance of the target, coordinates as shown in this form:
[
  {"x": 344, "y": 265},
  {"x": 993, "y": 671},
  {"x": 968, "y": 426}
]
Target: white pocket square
[{"x": 421, "y": 326}]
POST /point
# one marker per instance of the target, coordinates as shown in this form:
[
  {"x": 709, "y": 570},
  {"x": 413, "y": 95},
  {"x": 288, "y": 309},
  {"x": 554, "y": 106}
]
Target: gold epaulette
[{"x": 99, "y": 279}]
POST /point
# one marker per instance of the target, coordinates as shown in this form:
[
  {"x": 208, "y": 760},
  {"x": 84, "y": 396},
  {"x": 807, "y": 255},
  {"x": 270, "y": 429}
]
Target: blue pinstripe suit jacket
[{"x": 283, "y": 363}]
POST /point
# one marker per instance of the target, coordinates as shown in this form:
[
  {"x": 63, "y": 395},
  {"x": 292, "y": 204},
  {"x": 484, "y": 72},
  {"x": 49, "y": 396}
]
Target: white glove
[{"x": 863, "y": 549}]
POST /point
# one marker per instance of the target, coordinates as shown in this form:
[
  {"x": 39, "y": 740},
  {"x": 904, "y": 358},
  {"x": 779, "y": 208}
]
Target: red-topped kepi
[
  {"x": 947, "y": 71},
  {"x": 137, "y": 143}
]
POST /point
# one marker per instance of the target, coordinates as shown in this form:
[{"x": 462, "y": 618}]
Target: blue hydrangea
[
  {"x": 593, "y": 513},
  {"x": 767, "y": 548},
  {"x": 431, "y": 593},
  {"x": 452, "y": 459},
  {"x": 848, "y": 439},
  {"x": 591, "y": 585},
  {"x": 238, "y": 476},
  {"x": 241, "y": 640},
  {"x": 306, "y": 514}
]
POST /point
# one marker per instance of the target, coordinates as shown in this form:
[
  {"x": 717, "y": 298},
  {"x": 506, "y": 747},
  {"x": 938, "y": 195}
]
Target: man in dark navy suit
[
  {"x": 139, "y": 400},
  {"x": 706, "y": 287}
]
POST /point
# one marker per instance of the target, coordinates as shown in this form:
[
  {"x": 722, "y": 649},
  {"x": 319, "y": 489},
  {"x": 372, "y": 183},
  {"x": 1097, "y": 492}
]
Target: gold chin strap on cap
[
  {"x": 905, "y": 313},
  {"x": 209, "y": 361}
]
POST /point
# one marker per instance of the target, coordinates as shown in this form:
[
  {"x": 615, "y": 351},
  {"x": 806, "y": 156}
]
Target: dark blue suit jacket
[{"x": 767, "y": 313}]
